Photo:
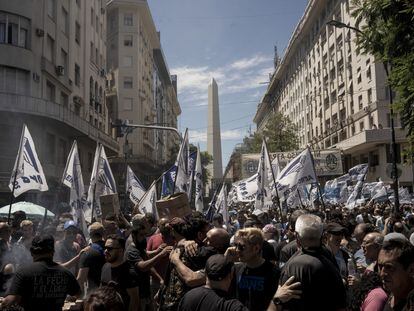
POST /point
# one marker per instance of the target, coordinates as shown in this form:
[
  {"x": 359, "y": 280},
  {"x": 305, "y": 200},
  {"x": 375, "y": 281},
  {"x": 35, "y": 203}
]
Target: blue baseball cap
[{"x": 68, "y": 224}]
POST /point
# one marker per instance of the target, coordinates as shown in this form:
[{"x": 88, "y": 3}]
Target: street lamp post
[
  {"x": 394, "y": 174},
  {"x": 127, "y": 128}
]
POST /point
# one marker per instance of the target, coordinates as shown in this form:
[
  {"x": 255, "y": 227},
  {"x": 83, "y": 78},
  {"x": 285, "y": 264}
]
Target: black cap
[
  {"x": 218, "y": 267},
  {"x": 42, "y": 244},
  {"x": 333, "y": 227}
]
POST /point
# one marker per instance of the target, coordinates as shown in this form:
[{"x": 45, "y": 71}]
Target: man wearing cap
[
  {"x": 67, "y": 250},
  {"x": 212, "y": 296},
  {"x": 91, "y": 262},
  {"x": 44, "y": 284},
  {"x": 334, "y": 235}
]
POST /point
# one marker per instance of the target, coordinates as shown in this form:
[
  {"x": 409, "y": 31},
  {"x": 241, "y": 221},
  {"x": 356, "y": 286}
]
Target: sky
[{"x": 231, "y": 41}]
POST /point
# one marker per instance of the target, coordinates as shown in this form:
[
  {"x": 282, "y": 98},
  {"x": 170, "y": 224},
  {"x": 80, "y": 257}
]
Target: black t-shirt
[
  {"x": 321, "y": 283},
  {"x": 121, "y": 275},
  {"x": 255, "y": 287},
  {"x": 268, "y": 252},
  {"x": 94, "y": 259},
  {"x": 133, "y": 255},
  {"x": 207, "y": 299},
  {"x": 288, "y": 251},
  {"x": 43, "y": 285}
]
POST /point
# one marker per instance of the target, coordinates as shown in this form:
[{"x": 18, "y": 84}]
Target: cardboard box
[
  {"x": 109, "y": 204},
  {"x": 175, "y": 205}
]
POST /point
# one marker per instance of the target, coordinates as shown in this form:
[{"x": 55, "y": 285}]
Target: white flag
[
  {"x": 102, "y": 182},
  {"x": 276, "y": 167},
  {"x": 198, "y": 183},
  {"x": 181, "y": 178},
  {"x": 27, "y": 168},
  {"x": 246, "y": 189},
  {"x": 148, "y": 201},
  {"x": 134, "y": 186},
  {"x": 221, "y": 204},
  {"x": 299, "y": 171},
  {"x": 72, "y": 178},
  {"x": 263, "y": 201}
]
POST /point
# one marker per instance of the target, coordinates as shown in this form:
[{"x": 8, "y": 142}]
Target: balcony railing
[{"x": 44, "y": 108}]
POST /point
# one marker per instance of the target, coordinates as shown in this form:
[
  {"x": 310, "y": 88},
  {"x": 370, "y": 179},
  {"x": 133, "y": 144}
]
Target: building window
[
  {"x": 369, "y": 73},
  {"x": 50, "y": 47},
  {"x": 127, "y": 82},
  {"x": 77, "y": 33},
  {"x": 360, "y": 102},
  {"x": 128, "y": 40},
  {"x": 369, "y": 96},
  {"x": 64, "y": 59},
  {"x": 51, "y": 9},
  {"x": 77, "y": 75},
  {"x": 92, "y": 17},
  {"x": 128, "y": 103},
  {"x": 78, "y": 3},
  {"x": 128, "y": 19},
  {"x": 14, "y": 30},
  {"x": 92, "y": 52},
  {"x": 361, "y": 126},
  {"x": 50, "y": 91},
  {"x": 127, "y": 61},
  {"x": 65, "y": 21},
  {"x": 64, "y": 100},
  {"x": 50, "y": 148}
]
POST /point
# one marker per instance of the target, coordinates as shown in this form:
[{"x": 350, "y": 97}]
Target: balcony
[{"x": 43, "y": 108}]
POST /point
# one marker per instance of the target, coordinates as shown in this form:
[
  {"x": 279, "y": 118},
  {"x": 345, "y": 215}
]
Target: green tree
[
  {"x": 387, "y": 32},
  {"x": 280, "y": 132}
]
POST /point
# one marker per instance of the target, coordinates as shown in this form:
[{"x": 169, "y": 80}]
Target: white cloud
[
  {"x": 246, "y": 63},
  {"x": 201, "y": 136}
]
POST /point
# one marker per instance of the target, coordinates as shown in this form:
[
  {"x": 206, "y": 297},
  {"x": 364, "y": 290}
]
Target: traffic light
[{"x": 118, "y": 126}]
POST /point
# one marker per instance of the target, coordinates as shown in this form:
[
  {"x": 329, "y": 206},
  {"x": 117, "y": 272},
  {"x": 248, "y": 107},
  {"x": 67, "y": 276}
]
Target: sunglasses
[{"x": 240, "y": 247}]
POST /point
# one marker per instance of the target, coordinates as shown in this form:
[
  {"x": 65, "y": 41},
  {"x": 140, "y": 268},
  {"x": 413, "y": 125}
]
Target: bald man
[
  {"x": 217, "y": 239},
  {"x": 371, "y": 245}
]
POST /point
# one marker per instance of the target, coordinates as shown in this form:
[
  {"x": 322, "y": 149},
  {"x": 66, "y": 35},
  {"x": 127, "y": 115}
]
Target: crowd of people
[{"x": 320, "y": 258}]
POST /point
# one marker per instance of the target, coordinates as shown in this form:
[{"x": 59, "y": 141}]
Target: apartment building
[
  {"x": 335, "y": 94},
  {"x": 140, "y": 88},
  {"x": 52, "y": 77}
]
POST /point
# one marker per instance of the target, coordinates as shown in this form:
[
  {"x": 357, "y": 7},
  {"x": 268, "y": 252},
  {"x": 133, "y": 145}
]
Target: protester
[
  {"x": 92, "y": 261},
  {"x": 44, "y": 284},
  {"x": 396, "y": 268},
  {"x": 104, "y": 298},
  {"x": 321, "y": 283},
  {"x": 67, "y": 250},
  {"x": 117, "y": 270},
  {"x": 334, "y": 236},
  {"x": 256, "y": 279},
  {"x": 21, "y": 249}
]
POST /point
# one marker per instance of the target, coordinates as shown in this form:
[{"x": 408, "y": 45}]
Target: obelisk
[{"x": 214, "y": 136}]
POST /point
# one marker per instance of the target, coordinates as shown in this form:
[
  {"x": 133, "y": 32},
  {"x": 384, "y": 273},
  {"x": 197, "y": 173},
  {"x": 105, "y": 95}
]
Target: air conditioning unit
[
  {"x": 40, "y": 32},
  {"x": 60, "y": 70},
  {"x": 76, "y": 99}
]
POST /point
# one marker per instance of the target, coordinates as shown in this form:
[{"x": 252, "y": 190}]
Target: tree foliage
[
  {"x": 280, "y": 132},
  {"x": 388, "y": 33}
]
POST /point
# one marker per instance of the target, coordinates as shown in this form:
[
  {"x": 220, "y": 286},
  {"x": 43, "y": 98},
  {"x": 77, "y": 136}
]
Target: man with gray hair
[{"x": 313, "y": 266}]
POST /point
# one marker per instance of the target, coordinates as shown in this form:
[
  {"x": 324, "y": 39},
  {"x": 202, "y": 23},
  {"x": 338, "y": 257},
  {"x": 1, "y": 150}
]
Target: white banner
[
  {"x": 298, "y": 172},
  {"x": 198, "y": 183},
  {"x": 27, "y": 168},
  {"x": 246, "y": 189},
  {"x": 148, "y": 201},
  {"x": 134, "y": 186},
  {"x": 221, "y": 204},
  {"x": 263, "y": 201}
]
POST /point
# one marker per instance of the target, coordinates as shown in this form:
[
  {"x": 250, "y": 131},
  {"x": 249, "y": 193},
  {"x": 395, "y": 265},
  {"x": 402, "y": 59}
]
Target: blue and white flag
[
  {"x": 134, "y": 186},
  {"x": 299, "y": 171},
  {"x": 191, "y": 172},
  {"x": 221, "y": 204},
  {"x": 102, "y": 182},
  {"x": 336, "y": 190},
  {"x": 379, "y": 192},
  {"x": 72, "y": 178},
  {"x": 199, "y": 205},
  {"x": 27, "y": 168},
  {"x": 358, "y": 173},
  {"x": 148, "y": 201},
  {"x": 168, "y": 179},
  {"x": 181, "y": 182},
  {"x": 263, "y": 200},
  {"x": 246, "y": 189}
]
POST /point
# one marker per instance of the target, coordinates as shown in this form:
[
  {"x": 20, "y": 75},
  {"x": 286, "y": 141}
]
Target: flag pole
[
  {"x": 318, "y": 184},
  {"x": 12, "y": 196},
  {"x": 274, "y": 182}
]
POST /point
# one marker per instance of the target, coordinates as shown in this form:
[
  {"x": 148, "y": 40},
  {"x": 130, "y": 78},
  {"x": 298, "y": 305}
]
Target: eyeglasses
[
  {"x": 108, "y": 248},
  {"x": 240, "y": 247}
]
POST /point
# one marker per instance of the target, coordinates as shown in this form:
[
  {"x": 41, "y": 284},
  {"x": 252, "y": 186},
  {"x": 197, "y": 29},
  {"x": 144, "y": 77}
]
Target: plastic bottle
[{"x": 351, "y": 267}]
